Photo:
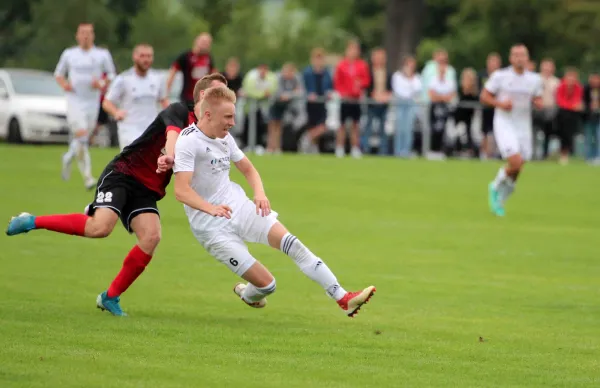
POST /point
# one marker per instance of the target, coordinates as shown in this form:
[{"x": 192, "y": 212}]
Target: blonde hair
[
  {"x": 214, "y": 95},
  {"x": 469, "y": 74},
  {"x": 205, "y": 83}
]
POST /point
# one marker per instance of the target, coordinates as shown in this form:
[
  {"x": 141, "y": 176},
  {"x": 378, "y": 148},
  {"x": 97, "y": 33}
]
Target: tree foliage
[{"x": 34, "y": 32}]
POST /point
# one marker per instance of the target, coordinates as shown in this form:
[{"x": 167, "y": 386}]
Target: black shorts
[
  {"x": 350, "y": 110},
  {"x": 278, "y": 109},
  {"x": 317, "y": 114},
  {"x": 487, "y": 121},
  {"x": 124, "y": 195},
  {"x": 102, "y": 116}
]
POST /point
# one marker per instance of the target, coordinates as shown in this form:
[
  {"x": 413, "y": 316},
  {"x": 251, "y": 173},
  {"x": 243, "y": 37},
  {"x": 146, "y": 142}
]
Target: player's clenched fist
[
  {"x": 220, "y": 211},
  {"x": 263, "y": 206},
  {"x": 164, "y": 163}
]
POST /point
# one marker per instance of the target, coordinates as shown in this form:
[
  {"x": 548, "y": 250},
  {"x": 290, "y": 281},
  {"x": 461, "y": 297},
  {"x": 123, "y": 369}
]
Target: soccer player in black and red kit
[{"x": 129, "y": 189}]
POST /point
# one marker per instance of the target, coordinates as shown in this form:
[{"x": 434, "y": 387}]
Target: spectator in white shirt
[
  {"x": 442, "y": 90},
  {"x": 406, "y": 85},
  {"x": 547, "y": 117}
]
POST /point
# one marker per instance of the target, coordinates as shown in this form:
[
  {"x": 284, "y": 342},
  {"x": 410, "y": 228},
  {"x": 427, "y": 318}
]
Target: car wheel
[{"x": 14, "y": 132}]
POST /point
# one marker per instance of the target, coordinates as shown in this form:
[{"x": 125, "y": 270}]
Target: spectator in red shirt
[
  {"x": 569, "y": 98},
  {"x": 350, "y": 80},
  {"x": 193, "y": 64}
]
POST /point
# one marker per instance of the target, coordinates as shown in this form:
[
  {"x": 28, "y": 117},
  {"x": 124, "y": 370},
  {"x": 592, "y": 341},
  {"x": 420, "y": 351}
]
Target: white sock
[
  {"x": 84, "y": 161},
  {"x": 312, "y": 266},
  {"x": 500, "y": 178},
  {"x": 252, "y": 294},
  {"x": 72, "y": 151},
  {"x": 506, "y": 189}
]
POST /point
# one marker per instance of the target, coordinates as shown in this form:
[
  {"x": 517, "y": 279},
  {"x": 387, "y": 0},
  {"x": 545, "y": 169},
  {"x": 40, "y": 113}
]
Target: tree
[
  {"x": 52, "y": 29},
  {"x": 403, "y": 28},
  {"x": 14, "y": 15},
  {"x": 216, "y": 12},
  {"x": 178, "y": 27}
]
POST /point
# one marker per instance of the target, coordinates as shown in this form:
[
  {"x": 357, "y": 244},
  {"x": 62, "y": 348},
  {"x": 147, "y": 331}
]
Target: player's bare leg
[
  {"x": 504, "y": 184},
  {"x": 98, "y": 226},
  {"x": 317, "y": 270},
  {"x": 274, "y": 136},
  {"x": 260, "y": 284},
  {"x": 340, "y": 141},
  {"x": 355, "y": 140},
  {"x": 146, "y": 227},
  {"x": 79, "y": 148}
]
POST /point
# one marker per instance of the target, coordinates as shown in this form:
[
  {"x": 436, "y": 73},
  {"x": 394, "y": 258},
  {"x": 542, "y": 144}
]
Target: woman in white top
[
  {"x": 406, "y": 85},
  {"x": 441, "y": 92}
]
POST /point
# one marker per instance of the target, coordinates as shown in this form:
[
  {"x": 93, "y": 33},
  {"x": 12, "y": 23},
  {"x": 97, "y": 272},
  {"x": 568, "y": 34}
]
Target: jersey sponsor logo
[{"x": 219, "y": 160}]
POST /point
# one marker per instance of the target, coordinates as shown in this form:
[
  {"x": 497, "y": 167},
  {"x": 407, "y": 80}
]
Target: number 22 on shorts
[{"x": 104, "y": 197}]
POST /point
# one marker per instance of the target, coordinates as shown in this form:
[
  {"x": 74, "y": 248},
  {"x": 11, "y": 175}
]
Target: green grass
[{"x": 447, "y": 273}]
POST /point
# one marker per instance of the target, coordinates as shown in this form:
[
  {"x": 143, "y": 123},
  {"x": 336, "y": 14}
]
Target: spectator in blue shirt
[{"x": 319, "y": 85}]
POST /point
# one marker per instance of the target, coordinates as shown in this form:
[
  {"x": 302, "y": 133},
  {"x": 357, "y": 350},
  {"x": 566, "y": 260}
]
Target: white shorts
[
  {"x": 228, "y": 245},
  {"x": 512, "y": 141},
  {"x": 82, "y": 118},
  {"x": 127, "y": 136}
]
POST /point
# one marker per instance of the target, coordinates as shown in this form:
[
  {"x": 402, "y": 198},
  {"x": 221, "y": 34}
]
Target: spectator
[
  {"x": 258, "y": 85},
  {"x": 406, "y": 85},
  {"x": 531, "y": 66},
  {"x": 493, "y": 63},
  {"x": 592, "y": 118},
  {"x": 289, "y": 87},
  {"x": 547, "y": 117},
  {"x": 468, "y": 97},
  {"x": 233, "y": 75},
  {"x": 379, "y": 91},
  {"x": 193, "y": 64},
  {"x": 569, "y": 97},
  {"x": 318, "y": 84},
  {"x": 350, "y": 80},
  {"x": 442, "y": 91}
]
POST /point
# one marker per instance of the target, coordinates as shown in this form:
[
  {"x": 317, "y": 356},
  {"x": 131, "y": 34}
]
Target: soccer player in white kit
[
  {"x": 222, "y": 218},
  {"x": 134, "y": 97},
  {"x": 511, "y": 91},
  {"x": 79, "y": 72}
]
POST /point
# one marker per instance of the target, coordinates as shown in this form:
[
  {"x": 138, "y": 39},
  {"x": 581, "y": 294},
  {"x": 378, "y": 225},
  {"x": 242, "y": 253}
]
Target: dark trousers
[
  {"x": 261, "y": 128},
  {"x": 438, "y": 116},
  {"x": 465, "y": 115},
  {"x": 568, "y": 125}
]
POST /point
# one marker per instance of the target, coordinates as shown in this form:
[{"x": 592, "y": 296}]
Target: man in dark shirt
[
  {"x": 494, "y": 61},
  {"x": 129, "y": 189},
  {"x": 193, "y": 64}
]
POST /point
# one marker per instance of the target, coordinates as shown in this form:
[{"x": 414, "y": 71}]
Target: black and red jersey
[
  {"x": 193, "y": 67},
  {"x": 139, "y": 159}
]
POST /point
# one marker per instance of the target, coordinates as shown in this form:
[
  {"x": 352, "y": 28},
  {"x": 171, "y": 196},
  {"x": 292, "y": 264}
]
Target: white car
[{"x": 33, "y": 108}]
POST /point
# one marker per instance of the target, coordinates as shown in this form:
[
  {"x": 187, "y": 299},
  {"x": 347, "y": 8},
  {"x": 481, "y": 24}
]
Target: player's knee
[
  {"x": 150, "y": 240},
  {"x": 98, "y": 229}
]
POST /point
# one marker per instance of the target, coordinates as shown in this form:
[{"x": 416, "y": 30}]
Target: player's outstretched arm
[
  {"x": 185, "y": 194},
  {"x": 252, "y": 176}
]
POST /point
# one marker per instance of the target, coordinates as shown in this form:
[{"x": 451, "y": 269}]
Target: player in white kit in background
[
  {"x": 134, "y": 97},
  {"x": 79, "y": 72},
  {"x": 512, "y": 91},
  {"x": 222, "y": 218}
]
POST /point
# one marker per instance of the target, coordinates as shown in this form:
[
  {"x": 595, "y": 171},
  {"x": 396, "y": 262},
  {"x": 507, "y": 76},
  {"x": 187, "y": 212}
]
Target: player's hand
[
  {"x": 67, "y": 87},
  {"x": 263, "y": 206},
  {"x": 505, "y": 105},
  {"x": 120, "y": 115},
  {"x": 220, "y": 211},
  {"x": 97, "y": 84},
  {"x": 538, "y": 104},
  {"x": 312, "y": 97},
  {"x": 165, "y": 163}
]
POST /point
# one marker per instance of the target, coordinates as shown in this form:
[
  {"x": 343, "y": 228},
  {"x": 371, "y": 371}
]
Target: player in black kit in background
[{"x": 129, "y": 189}]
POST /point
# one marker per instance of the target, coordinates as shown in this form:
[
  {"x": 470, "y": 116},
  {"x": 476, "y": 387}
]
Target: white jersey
[
  {"x": 210, "y": 161},
  {"x": 82, "y": 67},
  {"x": 521, "y": 89},
  {"x": 139, "y": 97}
]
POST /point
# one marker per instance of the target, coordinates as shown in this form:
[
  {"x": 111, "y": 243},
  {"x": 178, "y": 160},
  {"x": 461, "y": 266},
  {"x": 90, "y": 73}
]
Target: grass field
[{"x": 464, "y": 299}]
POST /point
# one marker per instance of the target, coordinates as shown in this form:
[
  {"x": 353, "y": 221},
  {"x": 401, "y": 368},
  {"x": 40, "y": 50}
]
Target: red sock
[
  {"x": 63, "y": 223},
  {"x": 133, "y": 266}
]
